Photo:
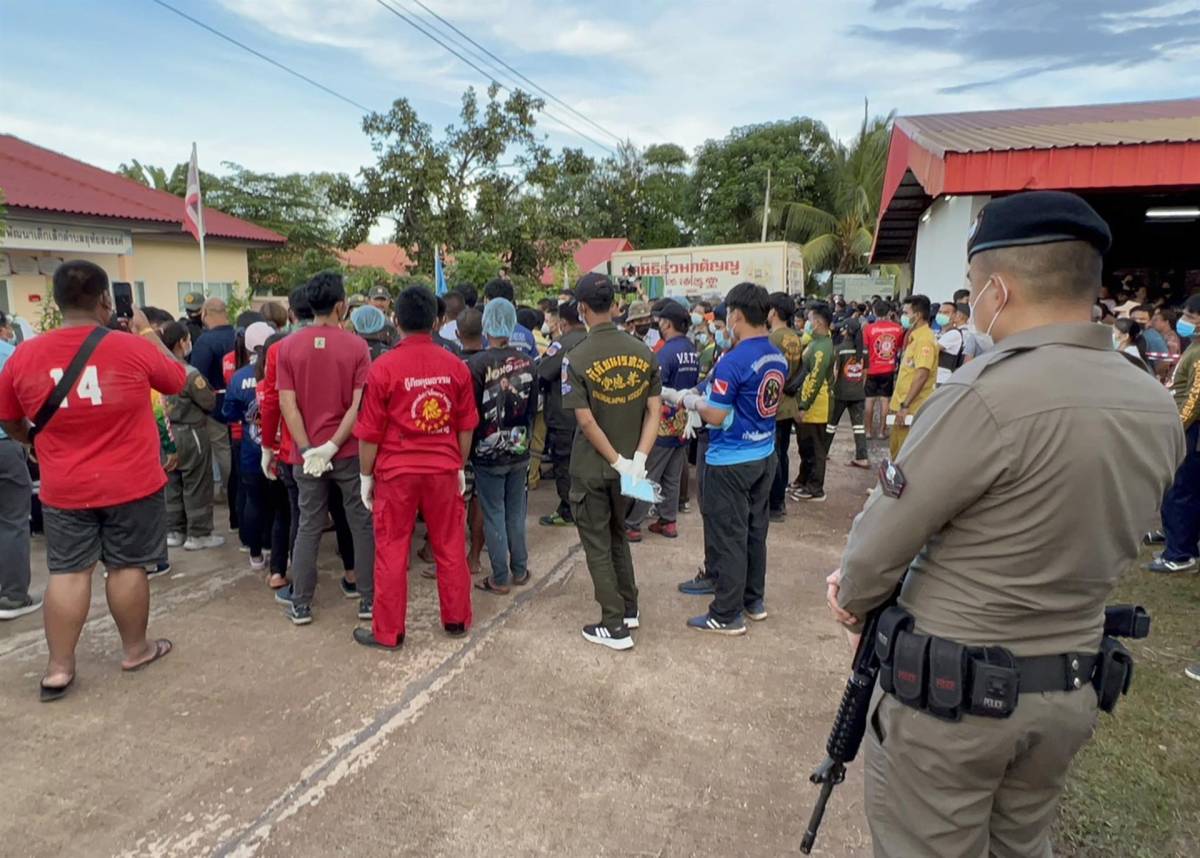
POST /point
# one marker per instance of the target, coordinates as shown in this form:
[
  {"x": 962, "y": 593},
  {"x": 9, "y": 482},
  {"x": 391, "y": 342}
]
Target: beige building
[{"x": 57, "y": 208}]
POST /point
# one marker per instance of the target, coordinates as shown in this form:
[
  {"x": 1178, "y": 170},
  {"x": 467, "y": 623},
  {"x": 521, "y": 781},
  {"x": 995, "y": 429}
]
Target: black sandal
[
  {"x": 48, "y": 693},
  {"x": 487, "y": 586},
  {"x": 521, "y": 580},
  {"x": 162, "y": 648}
]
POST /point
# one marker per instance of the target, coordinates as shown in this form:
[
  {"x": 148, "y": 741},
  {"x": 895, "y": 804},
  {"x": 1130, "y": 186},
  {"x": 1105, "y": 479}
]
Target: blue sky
[{"x": 113, "y": 80}]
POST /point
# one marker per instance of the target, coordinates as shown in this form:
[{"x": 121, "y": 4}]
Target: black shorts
[
  {"x": 880, "y": 385},
  {"x": 124, "y": 536}
]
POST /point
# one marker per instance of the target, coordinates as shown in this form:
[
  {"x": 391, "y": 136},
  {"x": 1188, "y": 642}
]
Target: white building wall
[{"x": 940, "y": 262}]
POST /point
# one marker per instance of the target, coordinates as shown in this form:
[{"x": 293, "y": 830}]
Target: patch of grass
[{"x": 1134, "y": 790}]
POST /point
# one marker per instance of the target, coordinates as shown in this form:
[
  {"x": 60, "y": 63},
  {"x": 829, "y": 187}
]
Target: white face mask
[
  {"x": 975, "y": 328},
  {"x": 546, "y": 328}
]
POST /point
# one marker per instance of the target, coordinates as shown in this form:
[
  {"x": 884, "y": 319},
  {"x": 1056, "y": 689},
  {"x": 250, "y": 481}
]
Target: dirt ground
[{"x": 255, "y": 737}]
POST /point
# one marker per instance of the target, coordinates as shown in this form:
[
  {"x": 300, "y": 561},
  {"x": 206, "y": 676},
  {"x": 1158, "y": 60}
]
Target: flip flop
[
  {"x": 855, "y": 464},
  {"x": 429, "y": 572},
  {"x": 488, "y": 587},
  {"x": 47, "y": 693},
  {"x": 162, "y": 647},
  {"x": 521, "y": 580},
  {"x": 283, "y": 581}
]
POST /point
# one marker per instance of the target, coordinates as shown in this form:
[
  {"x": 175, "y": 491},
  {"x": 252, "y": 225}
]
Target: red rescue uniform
[{"x": 418, "y": 398}]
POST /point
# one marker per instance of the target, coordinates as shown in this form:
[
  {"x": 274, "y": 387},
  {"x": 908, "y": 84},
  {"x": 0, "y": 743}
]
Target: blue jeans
[
  {"x": 501, "y": 492},
  {"x": 1181, "y": 506}
]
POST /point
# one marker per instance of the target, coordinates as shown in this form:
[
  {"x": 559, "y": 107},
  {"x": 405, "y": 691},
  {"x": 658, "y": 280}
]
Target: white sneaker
[
  {"x": 11, "y": 608},
  {"x": 199, "y": 543},
  {"x": 258, "y": 563},
  {"x": 174, "y": 540}
]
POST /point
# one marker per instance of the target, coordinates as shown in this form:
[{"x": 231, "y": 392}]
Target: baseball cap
[
  {"x": 679, "y": 318},
  {"x": 380, "y": 291},
  {"x": 594, "y": 288},
  {"x": 193, "y": 301},
  {"x": 638, "y": 310},
  {"x": 356, "y": 300},
  {"x": 257, "y": 335}
]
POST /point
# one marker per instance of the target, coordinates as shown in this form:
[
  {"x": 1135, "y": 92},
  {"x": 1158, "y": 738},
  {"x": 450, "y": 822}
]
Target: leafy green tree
[
  {"x": 474, "y": 267},
  {"x": 362, "y": 279},
  {"x": 730, "y": 177},
  {"x": 837, "y": 237},
  {"x": 455, "y": 190}
]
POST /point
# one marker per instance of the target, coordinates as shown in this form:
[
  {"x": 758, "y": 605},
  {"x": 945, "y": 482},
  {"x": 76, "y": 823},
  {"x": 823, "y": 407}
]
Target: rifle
[{"x": 850, "y": 725}]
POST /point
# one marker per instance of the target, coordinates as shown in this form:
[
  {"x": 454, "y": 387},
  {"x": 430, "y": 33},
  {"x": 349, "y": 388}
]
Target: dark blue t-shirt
[
  {"x": 239, "y": 406},
  {"x": 680, "y": 368},
  {"x": 749, "y": 381}
]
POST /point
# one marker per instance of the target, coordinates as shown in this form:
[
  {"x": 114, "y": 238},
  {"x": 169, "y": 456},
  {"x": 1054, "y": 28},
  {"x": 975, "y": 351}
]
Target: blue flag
[{"x": 439, "y": 276}]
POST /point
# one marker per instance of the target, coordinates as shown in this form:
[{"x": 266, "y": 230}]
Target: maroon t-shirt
[{"x": 324, "y": 365}]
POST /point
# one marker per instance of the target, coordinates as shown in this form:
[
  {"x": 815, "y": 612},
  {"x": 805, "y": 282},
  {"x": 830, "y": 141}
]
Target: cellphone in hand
[{"x": 123, "y": 299}]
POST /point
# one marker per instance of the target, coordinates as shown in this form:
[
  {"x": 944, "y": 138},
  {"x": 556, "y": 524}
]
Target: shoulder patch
[
  {"x": 553, "y": 348},
  {"x": 201, "y": 383},
  {"x": 891, "y": 479}
]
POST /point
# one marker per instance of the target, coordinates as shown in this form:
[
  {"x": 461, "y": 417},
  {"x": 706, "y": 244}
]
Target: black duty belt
[{"x": 949, "y": 679}]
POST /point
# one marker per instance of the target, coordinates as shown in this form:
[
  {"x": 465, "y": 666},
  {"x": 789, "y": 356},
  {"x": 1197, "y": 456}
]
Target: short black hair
[
  {"x": 173, "y": 334},
  {"x": 530, "y": 318},
  {"x": 1143, "y": 308},
  {"x": 157, "y": 316},
  {"x": 752, "y": 300},
  {"x": 499, "y": 287},
  {"x": 881, "y": 308},
  {"x": 1192, "y": 305},
  {"x": 961, "y": 295},
  {"x": 568, "y": 311},
  {"x": 469, "y": 293},
  {"x": 416, "y": 310},
  {"x": 823, "y": 310},
  {"x": 325, "y": 291},
  {"x": 920, "y": 303},
  {"x": 246, "y": 318},
  {"x": 470, "y": 323},
  {"x": 453, "y": 297},
  {"x": 784, "y": 306},
  {"x": 299, "y": 304},
  {"x": 546, "y": 305},
  {"x": 79, "y": 285},
  {"x": 963, "y": 309}
]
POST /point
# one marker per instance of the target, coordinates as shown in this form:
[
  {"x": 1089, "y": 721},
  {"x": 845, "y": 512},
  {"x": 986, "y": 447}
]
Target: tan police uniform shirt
[{"x": 1030, "y": 477}]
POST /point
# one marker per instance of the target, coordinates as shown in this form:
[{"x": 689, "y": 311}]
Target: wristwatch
[{"x": 903, "y": 406}]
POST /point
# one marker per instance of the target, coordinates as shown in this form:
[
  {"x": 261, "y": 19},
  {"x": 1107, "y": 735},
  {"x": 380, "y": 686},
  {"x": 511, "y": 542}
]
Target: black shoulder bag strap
[{"x": 69, "y": 377}]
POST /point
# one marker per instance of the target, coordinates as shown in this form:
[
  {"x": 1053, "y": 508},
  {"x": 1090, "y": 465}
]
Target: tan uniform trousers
[{"x": 978, "y": 788}]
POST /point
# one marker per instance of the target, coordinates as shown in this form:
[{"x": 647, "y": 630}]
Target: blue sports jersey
[
  {"x": 749, "y": 381},
  {"x": 522, "y": 340}
]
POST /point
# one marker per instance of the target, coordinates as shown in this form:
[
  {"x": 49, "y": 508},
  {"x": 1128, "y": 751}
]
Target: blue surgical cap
[
  {"x": 499, "y": 318},
  {"x": 368, "y": 319}
]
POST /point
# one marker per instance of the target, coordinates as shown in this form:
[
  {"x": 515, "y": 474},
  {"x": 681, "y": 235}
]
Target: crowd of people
[{"x": 363, "y": 414}]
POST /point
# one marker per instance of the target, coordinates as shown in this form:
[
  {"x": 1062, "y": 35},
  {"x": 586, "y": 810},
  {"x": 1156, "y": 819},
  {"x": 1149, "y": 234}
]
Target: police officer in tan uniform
[{"x": 1059, "y": 451}]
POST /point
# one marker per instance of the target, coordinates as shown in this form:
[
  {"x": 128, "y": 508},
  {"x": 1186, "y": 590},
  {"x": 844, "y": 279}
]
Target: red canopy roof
[
  {"x": 591, "y": 254},
  {"x": 1142, "y": 146},
  {"x": 39, "y": 179}
]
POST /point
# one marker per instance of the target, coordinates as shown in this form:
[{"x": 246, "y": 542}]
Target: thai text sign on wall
[{"x": 32, "y": 235}]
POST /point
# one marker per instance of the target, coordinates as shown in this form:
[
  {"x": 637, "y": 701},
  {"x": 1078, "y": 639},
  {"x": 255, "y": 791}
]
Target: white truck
[{"x": 711, "y": 271}]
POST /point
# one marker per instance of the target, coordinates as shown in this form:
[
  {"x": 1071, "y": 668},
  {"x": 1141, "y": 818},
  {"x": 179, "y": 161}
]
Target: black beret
[
  {"x": 1037, "y": 217},
  {"x": 593, "y": 288}
]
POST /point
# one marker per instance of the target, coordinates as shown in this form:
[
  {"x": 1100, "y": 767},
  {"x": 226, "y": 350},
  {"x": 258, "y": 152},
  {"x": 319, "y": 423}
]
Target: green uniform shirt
[
  {"x": 192, "y": 405},
  {"x": 1185, "y": 384},
  {"x": 613, "y": 374},
  {"x": 789, "y": 343}
]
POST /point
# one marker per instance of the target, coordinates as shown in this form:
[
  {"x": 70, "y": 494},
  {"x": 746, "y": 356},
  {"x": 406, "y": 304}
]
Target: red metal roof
[
  {"x": 591, "y": 254},
  {"x": 39, "y": 179},
  {"x": 390, "y": 257},
  {"x": 1144, "y": 146}
]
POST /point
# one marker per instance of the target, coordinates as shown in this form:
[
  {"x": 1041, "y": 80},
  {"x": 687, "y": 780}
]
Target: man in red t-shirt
[
  {"x": 415, "y": 428},
  {"x": 882, "y": 340},
  {"x": 321, "y": 371},
  {"x": 102, "y": 483}
]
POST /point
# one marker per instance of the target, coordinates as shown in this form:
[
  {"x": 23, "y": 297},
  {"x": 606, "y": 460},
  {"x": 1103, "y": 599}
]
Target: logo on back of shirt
[
  {"x": 770, "y": 390},
  {"x": 883, "y": 350},
  {"x": 431, "y": 411}
]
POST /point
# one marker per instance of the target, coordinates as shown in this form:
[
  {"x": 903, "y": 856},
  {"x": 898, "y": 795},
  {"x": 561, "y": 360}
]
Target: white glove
[
  {"x": 366, "y": 488},
  {"x": 318, "y": 460},
  {"x": 639, "y": 467},
  {"x": 462, "y": 482},
  {"x": 692, "y": 400},
  {"x": 623, "y": 466},
  {"x": 671, "y": 396},
  {"x": 268, "y": 464},
  {"x": 693, "y": 423}
]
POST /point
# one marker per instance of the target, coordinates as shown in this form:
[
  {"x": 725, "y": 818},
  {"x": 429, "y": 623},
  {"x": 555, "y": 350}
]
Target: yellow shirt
[{"x": 920, "y": 352}]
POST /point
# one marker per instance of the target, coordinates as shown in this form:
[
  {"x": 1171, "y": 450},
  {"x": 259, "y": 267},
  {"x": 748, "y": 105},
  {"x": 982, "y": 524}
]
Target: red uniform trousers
[{"x": 397, "y": 501}]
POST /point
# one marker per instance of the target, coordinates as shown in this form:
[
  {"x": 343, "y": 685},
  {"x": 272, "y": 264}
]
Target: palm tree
[{"x": 839, "y": 240}]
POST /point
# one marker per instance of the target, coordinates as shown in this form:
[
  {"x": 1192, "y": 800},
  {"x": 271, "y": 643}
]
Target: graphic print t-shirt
[
  {"x": 882, "y": 340},
  {"x": 504, "y": 391},
  {"x": 749, "y": 381}
]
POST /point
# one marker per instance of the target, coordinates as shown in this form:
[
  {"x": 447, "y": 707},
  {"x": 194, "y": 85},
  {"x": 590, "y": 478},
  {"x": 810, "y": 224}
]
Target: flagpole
[
  {"x": 766, "y": 205},
  {"x": 203, "y": 260}
]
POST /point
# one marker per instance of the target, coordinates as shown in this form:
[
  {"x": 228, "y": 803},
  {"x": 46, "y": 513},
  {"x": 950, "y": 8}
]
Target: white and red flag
[{"x": 193, "y": 213}]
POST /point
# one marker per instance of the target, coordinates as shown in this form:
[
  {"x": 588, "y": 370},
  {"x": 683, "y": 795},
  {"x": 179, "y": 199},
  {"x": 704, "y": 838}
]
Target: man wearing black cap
[
  {"x": 193, "y": 306},
  {"x": 560, "y": 422},
  {"x": 381, "y": 297},
  {"x": 1014, "y": 506},
  {"x": 611, "y": 381}
]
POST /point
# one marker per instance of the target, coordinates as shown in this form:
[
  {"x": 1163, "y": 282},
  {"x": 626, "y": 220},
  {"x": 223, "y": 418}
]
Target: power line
[
  {"x": 491, "y": 77},
  {"x": 540, "y": 89},
  {"x": 264, "y": 57}
]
